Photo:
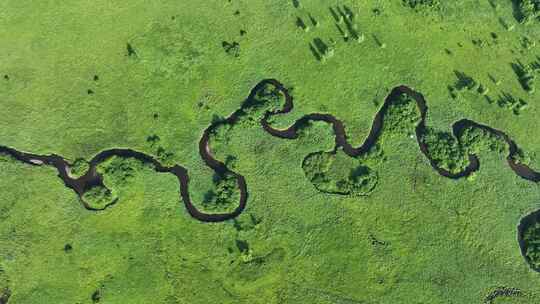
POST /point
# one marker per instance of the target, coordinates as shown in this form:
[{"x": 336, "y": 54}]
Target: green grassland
[{"x": 80, "y": 77}]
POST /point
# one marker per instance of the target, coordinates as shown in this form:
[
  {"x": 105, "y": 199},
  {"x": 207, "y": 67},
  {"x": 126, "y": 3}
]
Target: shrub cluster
[
  {"x": 231, "y": 48},
  {"x": 162, "y": 154},
  {"x": 531, "y": 238},
  {"x": 321, "y": 50},
  {"x": 445, "y": 150},
  {"x": 402, "y": 115},
  {"x": 346, "y": 24},
  {"x": 421, "y": 4},
  {"x": 224, "y": 196},
  {"x": 466, "y": 83},
  {"x": 508, "y": 101},
  {"x": 99, "y": 197},
  {"x": 528, "y": 10},
  {"x": 476, "y": 140},
  {"x": 119, "y": 170},
  {"x": 521, "y": 157},
  {"x": 526, "y": 76},
  {"x": 78, "y": 168},
  {"x": 267, "y": 99},
  {"x": 339, "y": 174}
]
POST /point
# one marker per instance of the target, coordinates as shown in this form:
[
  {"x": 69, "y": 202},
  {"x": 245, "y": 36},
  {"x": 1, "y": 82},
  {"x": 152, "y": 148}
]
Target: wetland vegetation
[{"x": 270, "y": 152}]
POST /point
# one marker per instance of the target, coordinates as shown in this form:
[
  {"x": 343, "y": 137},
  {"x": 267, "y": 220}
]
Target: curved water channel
[{"x": 93, "y": 178}]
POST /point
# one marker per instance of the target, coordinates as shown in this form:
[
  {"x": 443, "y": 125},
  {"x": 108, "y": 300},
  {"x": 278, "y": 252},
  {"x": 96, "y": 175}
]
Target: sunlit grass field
[{"x": 78, "y": 77}]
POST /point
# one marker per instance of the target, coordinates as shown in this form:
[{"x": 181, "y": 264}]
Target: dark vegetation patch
[
  {"x": 467, "y": 84},
  {"x": 476, "y": 140},
  {"x": 507, "y": 101},
  {"x": 96, "y": 296},
  {"x": 268, "y": 97},
  {"x": 68, "y": 248},
  {"x": 246, "y": 223},
  {"x": 421, "y": 4},
  {"x": 78, "y": 168},
  {"x": 522, "y": 157},
  {"x": 99, "y": 197},
  {"x": 164, "y": 156},
  {"x": 265, "y": 100},
  {"x": 231, "y": 48},
  {"x": 526, "y": 11},
  {"x": 502, "y": 292},
  {"x": 321, "y": 50},
  {"x": 464, "y": 83},
  {"x": 526, "y": 76},
  {"x": 451, "y": 152},
  {"x": 527, "y": 43},
  {"x": 402, "y": 115},
  {"x": 161, "y": 153},
  {"x": 344, "y": 23},
  {"x": 131, "y": 52},
  {"x": 338, "y": 173},
  {"x": 119, "y": 170},
  {"x": 5, "y": 294},
  {"x": 445, "y": 150},
  {"x": 529, "y": 239},
  {"x": 224, "y": 195}
]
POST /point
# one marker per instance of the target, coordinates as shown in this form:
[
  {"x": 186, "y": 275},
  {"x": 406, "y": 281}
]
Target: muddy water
[{"x": 92, "y": 178}]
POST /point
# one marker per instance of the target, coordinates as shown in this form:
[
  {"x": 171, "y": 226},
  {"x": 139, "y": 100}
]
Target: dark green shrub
[
  {"x": 527, "y": 10},
  {"x": 525, "y": 76},
  {"x": 99, "y": 197},
  {"x": 118, "y": 170},
  {"x": 323, "y": 50},
  {"x": 231, "y": 48},
  {"x": 152, "y": 139},
  {"x": 339, "y": 174},
  {"x": 465, "y": 82},
  {"x": 521, "y": 157},
  {"x": 301, "y": 24},
  {"x": 531, "y": 239},
  {"x": 421, "y": 4},
  {"x": 267, "y": 99},
  {"x": 224, "y": 196},
  {"x": 374, "y": 156},
  {"x": 270, "y": 97},
  {"x": 164, "y": 156},
  {"x": 476, "y": 140},
  {"x": 402, "y": 115},
  {"x": 445, "y": 150},
  {"x": 78, "y": 168}
]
